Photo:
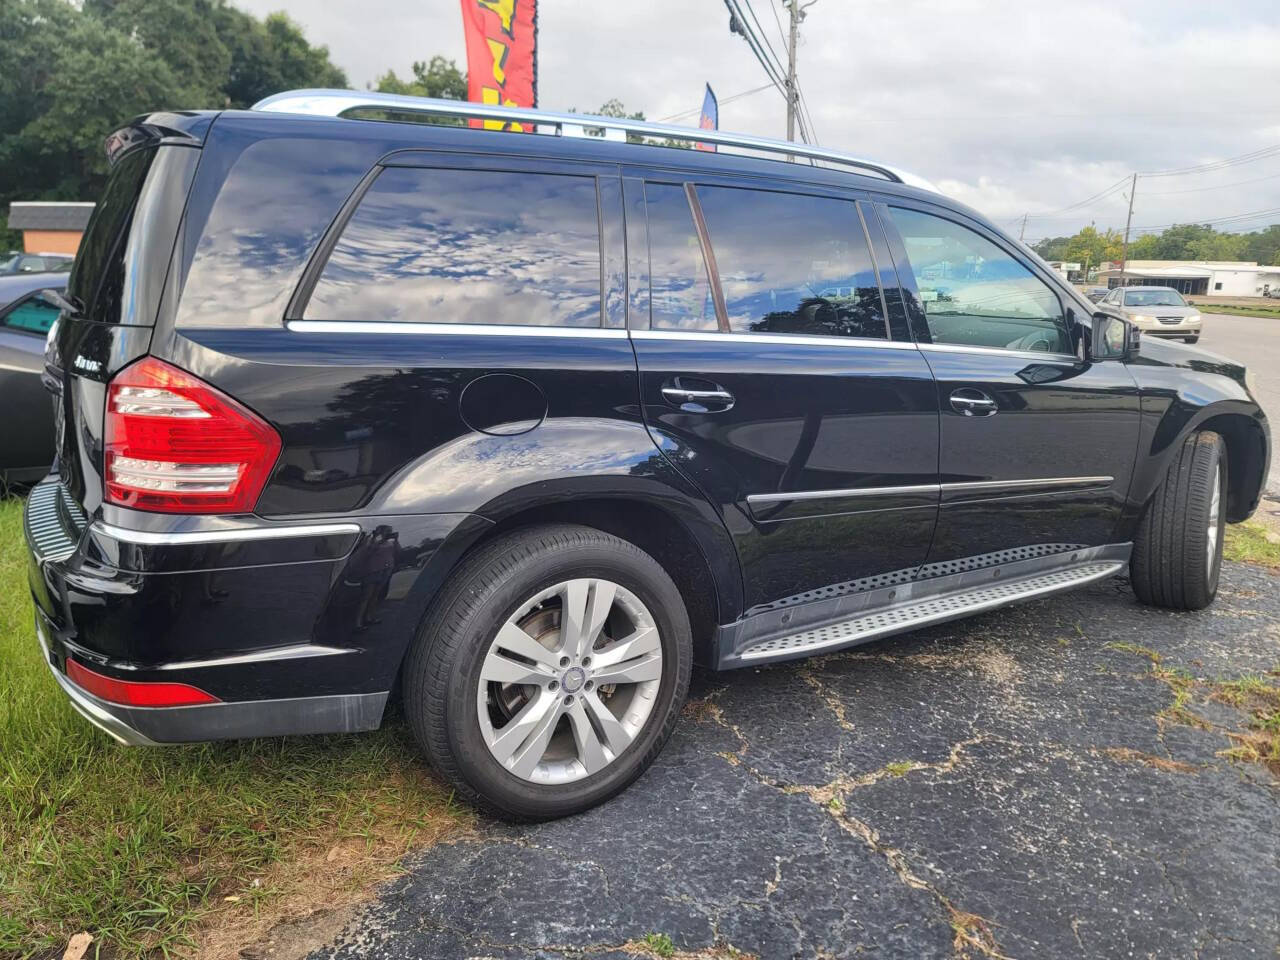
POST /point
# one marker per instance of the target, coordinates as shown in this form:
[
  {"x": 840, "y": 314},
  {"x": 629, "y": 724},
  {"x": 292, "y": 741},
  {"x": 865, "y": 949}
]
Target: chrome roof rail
[{"x": 338, "y": 103}]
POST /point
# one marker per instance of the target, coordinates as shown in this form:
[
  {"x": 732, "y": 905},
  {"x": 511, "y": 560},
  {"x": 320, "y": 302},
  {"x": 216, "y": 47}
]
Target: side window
[
  {"x": 791, "y": 263},
  {"x": 32, "y": 315},
  {"x": 679, "y": 291},
  {"x": 975, "y": 293},
  {"x": 467, "y": 246}
]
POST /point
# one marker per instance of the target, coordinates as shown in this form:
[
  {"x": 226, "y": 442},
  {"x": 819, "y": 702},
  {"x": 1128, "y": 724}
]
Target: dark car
[
  {"x": 520, "y": 426},
  {"x": 26, "y": 426}
]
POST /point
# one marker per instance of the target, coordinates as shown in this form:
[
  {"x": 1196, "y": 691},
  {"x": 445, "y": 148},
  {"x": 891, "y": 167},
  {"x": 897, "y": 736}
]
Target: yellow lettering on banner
[
  {"x": 492, "y": 97},
  {"x": 505, "y": 9},
  {"x": 499, "y": 53}
]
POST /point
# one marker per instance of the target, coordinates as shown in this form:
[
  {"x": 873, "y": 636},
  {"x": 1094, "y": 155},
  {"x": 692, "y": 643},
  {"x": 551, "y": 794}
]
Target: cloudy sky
[{"x": 1013, "y": 106}]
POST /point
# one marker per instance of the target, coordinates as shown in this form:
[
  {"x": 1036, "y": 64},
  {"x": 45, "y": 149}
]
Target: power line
[
  {"x": 1220, "y": 186},
  {"x": 722, "y": 102},
  {"x": 1250, "y": 215},
  {"x": 1250, "y": 157},
  {"x": 1100, "y": 195}
]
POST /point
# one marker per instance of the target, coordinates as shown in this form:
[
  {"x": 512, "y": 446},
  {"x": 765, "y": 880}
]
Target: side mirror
[{"x": 1113, "y": 338}]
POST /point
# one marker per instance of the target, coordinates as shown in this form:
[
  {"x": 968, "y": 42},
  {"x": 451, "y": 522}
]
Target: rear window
[
  {"x": 432, "y": 245},
  {"x": 98, "y": 275}
]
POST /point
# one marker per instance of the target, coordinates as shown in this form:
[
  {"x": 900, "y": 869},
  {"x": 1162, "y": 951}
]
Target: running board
[{"x": 907, "y": 609}]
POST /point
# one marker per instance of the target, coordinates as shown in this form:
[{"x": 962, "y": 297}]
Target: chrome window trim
[
  {"x": 998, "y": 352},
  {"x": 151, "y": 538},
  {"x": 396, "y": 327},
  {"x": 968, "y": 486},
  {"x": 788, "y": 338}
]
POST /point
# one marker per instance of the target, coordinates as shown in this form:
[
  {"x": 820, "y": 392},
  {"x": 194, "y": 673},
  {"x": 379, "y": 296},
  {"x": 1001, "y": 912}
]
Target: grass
[
  {"x": 1247, "y": 543},
  {"x": 1236, "y": 311},
  {"x": 154, "y": 851}
]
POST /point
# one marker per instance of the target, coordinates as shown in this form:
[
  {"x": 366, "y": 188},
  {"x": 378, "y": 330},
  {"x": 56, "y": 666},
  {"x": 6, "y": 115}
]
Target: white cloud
[{"x": 1011, "y": 105}]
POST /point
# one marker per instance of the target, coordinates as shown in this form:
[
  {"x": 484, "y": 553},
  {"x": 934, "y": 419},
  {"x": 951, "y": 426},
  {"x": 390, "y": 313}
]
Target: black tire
[
  {"x": 442, "y": 672},
  {"x": 1171, "y": 566},
  {"x": 1195, "y": 339}
]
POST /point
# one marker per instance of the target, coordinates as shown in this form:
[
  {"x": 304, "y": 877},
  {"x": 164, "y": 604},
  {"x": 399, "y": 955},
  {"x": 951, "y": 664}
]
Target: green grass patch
[
  {"x": 660, "y": 944},
  {"x": 150, "y": 849},
  {"x": 1247, "y": 543},
  {"x": 1239, "y": 311}
]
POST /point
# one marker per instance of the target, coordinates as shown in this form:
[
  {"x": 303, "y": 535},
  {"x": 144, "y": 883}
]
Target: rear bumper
[{"x": 282, "y": 623}]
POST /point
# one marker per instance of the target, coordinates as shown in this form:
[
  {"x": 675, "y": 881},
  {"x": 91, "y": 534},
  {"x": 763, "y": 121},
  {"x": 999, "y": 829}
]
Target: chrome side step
[{"x": 911, "y": 610}]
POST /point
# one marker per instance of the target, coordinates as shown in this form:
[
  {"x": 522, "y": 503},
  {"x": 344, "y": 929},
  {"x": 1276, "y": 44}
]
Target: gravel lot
[{"x": 1001, "y": 786}]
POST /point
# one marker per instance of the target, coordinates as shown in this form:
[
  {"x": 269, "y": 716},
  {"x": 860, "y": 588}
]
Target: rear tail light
[
  {"x": 133, "y": 693},
  {"x": 174, "y": 444}
]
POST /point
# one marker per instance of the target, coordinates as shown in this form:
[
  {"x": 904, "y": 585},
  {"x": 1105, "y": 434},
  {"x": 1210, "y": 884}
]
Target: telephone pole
[
  {"x": 1022, "y": 234},
  {"x": 793, "y": 92},
  {"x": 1124, "y": 250}
]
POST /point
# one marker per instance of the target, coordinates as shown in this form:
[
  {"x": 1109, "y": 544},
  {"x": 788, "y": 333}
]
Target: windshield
[{"x": 1153, "y": 298}]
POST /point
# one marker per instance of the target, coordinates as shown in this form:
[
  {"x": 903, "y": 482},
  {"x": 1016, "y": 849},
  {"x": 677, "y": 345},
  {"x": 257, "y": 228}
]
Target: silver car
[{"x": 1158, "y": 311}]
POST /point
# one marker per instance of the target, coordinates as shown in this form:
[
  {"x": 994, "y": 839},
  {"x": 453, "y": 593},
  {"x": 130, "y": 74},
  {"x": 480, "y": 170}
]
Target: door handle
[
  {"x": 712, "y": 399},
  {"x": 973, "y": 403}
]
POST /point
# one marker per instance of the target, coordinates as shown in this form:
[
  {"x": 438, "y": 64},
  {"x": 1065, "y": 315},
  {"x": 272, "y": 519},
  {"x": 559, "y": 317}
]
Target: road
[
  {"x": 1002, "y": 786},
  {"x": 1255, "y": 342}
]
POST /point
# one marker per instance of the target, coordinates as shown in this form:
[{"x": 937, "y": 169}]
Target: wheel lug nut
[
  {"x": 568, "y": 701},
  {"x": 588, "y": 685},
  {"x": 586, "y": 661},
  {"x": 564, "y": 661},
  {"x": 553, "y": 685}
]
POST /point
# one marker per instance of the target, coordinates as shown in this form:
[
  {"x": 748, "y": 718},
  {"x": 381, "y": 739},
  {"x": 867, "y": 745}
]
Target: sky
[{"x": 1013, "y": 106}]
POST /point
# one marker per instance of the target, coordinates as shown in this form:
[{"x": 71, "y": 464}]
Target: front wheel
[
  {"x": 1177, "y": 555},
  {"x": 551, "y": 671}
]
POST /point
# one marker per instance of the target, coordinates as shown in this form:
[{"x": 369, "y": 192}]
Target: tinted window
[
  {"x": 98, "y": 274},
  {"x": 792, "y": 264},
  {"x": 32, "y": 315},
  {"x": 975, "y": 293},
  {"x": 467, "y": 246},
  {"x": 679, "y": 291}
]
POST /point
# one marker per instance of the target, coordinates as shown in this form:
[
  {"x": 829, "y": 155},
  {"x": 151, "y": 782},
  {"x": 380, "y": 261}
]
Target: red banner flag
[{"x": 502, "y": 62}]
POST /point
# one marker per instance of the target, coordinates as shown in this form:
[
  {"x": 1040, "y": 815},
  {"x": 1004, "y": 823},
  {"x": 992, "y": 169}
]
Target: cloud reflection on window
[{"x": 467, "y": 246}]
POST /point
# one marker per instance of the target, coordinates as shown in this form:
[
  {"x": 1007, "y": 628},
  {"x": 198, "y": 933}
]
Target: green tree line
[{"x": 1183, "y": 241}]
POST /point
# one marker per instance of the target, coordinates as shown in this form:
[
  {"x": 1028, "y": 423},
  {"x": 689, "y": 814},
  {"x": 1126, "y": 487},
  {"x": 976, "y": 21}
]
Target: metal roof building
[{"x": 49, "y": 226}]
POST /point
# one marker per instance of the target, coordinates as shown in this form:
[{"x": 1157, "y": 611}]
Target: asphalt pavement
[
  {"x": 1255, "y": 342},
  {"x": 1002, "y": 786}
]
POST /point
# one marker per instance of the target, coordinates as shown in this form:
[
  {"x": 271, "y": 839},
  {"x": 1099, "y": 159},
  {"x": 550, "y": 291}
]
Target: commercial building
[
  {"x": 1227, "y": 278},
  {"x": 49, "y": 227}
]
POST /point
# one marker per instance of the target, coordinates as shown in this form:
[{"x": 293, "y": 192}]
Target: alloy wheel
[{"x": 569, "y": 680}]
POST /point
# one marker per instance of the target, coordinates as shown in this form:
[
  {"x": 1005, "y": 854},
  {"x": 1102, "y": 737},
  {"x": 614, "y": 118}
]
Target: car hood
[{"x": 1167, "y": 353}]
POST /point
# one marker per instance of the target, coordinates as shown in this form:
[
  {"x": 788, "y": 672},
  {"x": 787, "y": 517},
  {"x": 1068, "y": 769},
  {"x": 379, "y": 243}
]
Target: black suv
[{"x": 521, "y": 426}]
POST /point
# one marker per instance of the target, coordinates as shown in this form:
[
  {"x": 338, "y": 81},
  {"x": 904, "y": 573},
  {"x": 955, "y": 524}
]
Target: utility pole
[
  {"x": 793, "y": 93},
  {"x": 1022, "y": 234},
  {"x": 1124, "y": 250}
]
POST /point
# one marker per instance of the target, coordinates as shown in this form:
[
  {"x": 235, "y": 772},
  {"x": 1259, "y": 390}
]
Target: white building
[
  {"x": 1068, "y": 271},
  {"x": 1226, "y": 278}
]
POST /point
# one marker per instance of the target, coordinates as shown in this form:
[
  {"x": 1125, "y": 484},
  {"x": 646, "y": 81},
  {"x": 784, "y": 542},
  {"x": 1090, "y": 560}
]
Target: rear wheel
[
  {"x": 1177, "y": 555},
  {"x": 551, "y": 671}
]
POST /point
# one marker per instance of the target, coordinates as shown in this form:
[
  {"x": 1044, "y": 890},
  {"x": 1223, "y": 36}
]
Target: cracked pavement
[{"x": 998, "y": 786}]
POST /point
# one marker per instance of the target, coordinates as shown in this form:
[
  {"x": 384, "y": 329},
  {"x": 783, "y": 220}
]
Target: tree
[
  {"x": 438, "y": 78},
  {"x": 69, "y": 74}
]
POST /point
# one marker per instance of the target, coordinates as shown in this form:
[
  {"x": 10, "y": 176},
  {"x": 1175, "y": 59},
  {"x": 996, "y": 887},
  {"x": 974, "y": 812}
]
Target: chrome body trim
[
  {"x": 337, "y": 103},
  {"x": 984, "y": 486},
  {"x": 294, "y": 652},
  {"x": 999, "y": 352},
  {"x": 230, "y": 535},
  {"x": 452, "y": 329},
  {"x": 977, "y": 486},
  {"x": 758, "y": 498},
  {"x": 712, "y": 336}
]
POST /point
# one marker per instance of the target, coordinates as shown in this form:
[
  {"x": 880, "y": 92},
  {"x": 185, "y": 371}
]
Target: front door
[
  {"x": 770, "y": 377},
  {"x": 1037, "y": 446}
]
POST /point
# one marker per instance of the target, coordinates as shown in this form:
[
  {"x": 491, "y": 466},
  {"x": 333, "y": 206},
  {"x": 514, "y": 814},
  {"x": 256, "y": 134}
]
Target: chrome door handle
[
  {"x": 973, "y": 403},
  {"x": 681, "y": 395}
]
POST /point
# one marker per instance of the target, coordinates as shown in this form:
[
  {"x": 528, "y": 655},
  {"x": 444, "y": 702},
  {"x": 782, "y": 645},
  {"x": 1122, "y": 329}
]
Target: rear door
[
  {"x": 1037, "y": 445},
  {"x": 772, "y": 376}
]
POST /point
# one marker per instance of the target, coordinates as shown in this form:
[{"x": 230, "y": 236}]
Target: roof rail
[{"x": 338, "y": 103}]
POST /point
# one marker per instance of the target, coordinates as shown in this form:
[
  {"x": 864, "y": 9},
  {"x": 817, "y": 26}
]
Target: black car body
[
  {"x": 415, "y": 345},
  {"x": 26, "y": 429}
]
